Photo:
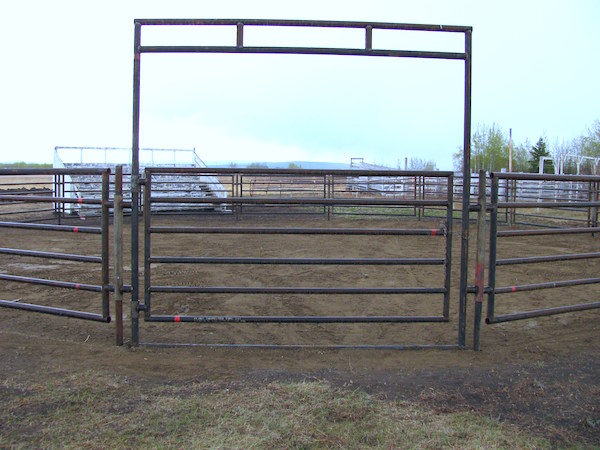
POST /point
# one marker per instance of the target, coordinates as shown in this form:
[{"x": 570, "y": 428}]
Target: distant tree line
[
  {"x": 490, "y": 151},
  {"x": 25, "y": 165}
]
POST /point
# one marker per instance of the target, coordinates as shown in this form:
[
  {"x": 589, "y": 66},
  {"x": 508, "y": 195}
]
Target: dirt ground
[{"x": 542, "y": 374}]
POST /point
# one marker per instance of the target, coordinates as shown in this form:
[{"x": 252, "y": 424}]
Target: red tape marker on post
[
  {"x": 177, "y": 319},
  {"x": 75, "y": 229},
  {"x": 513, "y": 288},
  {"x": 434, "y": 232}
]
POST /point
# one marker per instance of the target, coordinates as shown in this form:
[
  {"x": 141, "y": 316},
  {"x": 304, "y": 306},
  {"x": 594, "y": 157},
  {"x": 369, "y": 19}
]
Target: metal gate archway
[{"x": 137, "y": 304}]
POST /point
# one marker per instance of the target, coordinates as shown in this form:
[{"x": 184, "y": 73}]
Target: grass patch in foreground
[{"x": 89, "y": 411}]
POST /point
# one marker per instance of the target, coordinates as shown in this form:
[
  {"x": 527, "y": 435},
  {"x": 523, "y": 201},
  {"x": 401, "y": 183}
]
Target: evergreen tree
[{"x": 537, "y": 151}]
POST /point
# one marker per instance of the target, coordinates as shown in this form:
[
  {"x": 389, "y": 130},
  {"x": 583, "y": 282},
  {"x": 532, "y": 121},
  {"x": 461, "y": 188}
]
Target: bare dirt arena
[{"x": 541, "y": 374}]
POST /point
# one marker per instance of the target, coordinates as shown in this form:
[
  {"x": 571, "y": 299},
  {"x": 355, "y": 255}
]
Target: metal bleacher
[{"x": 171, "y": 185}]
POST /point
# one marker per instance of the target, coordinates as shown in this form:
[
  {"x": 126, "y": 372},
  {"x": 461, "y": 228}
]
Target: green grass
[{"x": 90, "y": 411}]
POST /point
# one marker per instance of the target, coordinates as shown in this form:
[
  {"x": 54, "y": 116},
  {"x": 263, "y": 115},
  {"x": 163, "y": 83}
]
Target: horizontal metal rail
[
  {"x": 542, "y": 312},
  {"x": 51, "y": 255},
  {"x": 70, "y": 171},
  {"x": 297, "y": 319},
  {"x": 547, "y": 232},
  {"x": 546, "y": 285},
  {"x": 306, "y": 23},
  {"x": 548, "y": 204},
  {"x": 49, "y": 227},
  {"x": 302, "y": 201},
  {"x": 49, "y": 199},
  {"x": 55, "y": 311},
  {"x": 544, "y": 177},
  {"x": 546, "y": 258},
  {"x": 323, "y": 231},
  {"x": 54, "y": 283},
  {"x": 301, "y": 51},
  {"x": 302, "y": 172},
  {"x": 292, "y": 290},
  {"x": 412, "y": 347},
  {"x": 300, "y": 261}
]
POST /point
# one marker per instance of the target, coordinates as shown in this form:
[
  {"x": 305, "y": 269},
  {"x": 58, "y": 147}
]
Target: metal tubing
[
  {"x": 546, "y": 232},
  {"x": 48, "y": 227},
  {"x": 448, "y": 256},
  {"x": 297, "y": 319},
  {"x": 545, "y": 285},
  {"x": 549, "y": 258},
  {"x": 322, "y": 231},
  {"x": 105, "y": 280},
  {"x": 118, "y": 254},
  {"x": 301, "y": 201},
  {"x": 479, "y": 262},
  {"x": 147, "y": 243},
  {"x": 466, "y": 200},
  {"x": 70, "y": 171},
  {"x": 51, "y": 255},
  {"x": 307, "y": 23},
  {"x": 547, "y": 204},
  {"x": 293, "y": 290},
  {"x": 135, "y": 187},
  {"x": 491, "y": 300},
  {"x": 300, "y": 51},
  {"x": 240, "y": 35},
  {"x": 409, "y": 347},
  {"x": 299, "y": 261},
  {"x": 54, "y": 283},
  {"x": 48, "y": 199},
  {"x": 544, "y": 312},
  {"x": 54, "y": 311},
  {"x": 305, "y": 172},
  {"x": 545, "y": 177}
]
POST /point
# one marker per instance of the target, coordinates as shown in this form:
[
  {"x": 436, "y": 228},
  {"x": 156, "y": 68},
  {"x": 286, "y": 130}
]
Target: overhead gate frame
[{"x": 240, "y": 48}]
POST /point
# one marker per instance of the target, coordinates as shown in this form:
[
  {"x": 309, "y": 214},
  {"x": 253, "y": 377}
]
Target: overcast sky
[{"x": 66, "y": 79}]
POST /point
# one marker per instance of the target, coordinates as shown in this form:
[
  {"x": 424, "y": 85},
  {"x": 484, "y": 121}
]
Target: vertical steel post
[
  {"x": 448, "y": 260},
  {"x": 464, "y": 249},
  {"x": 240, "y": 35},
  {"x": 493, "y": 245},
  {"x": 479, "y": 262},
  {"x": 333, "y": 193},
  {"x": 135, "y": 187},
  {"x": 105, "y": 244},
  {"x": 118, "y": 253},
  {"x": 147, "y": 242},
  {"x": 595, "y": 188},
  {"x": 369, "y": 38}
]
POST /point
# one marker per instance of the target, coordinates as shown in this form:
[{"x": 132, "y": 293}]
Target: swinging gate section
[
  {"x": 324, "y": 194},
  {"x": 139, "y": 305}
]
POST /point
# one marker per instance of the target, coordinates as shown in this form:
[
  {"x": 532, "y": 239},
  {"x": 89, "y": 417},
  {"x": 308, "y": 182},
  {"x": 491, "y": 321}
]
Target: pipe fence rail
[
  {"x": 327, "y": 200},
  {"x": 562, "y": 218},
  {"x": 13, "y": 205}
]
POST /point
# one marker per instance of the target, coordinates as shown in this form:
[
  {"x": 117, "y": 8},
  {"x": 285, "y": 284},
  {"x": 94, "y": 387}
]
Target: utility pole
[{"x": 510, "y": 151}]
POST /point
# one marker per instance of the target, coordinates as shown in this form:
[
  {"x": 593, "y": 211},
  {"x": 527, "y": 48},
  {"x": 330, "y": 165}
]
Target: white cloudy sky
[{"x": 66, "y": 79}]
